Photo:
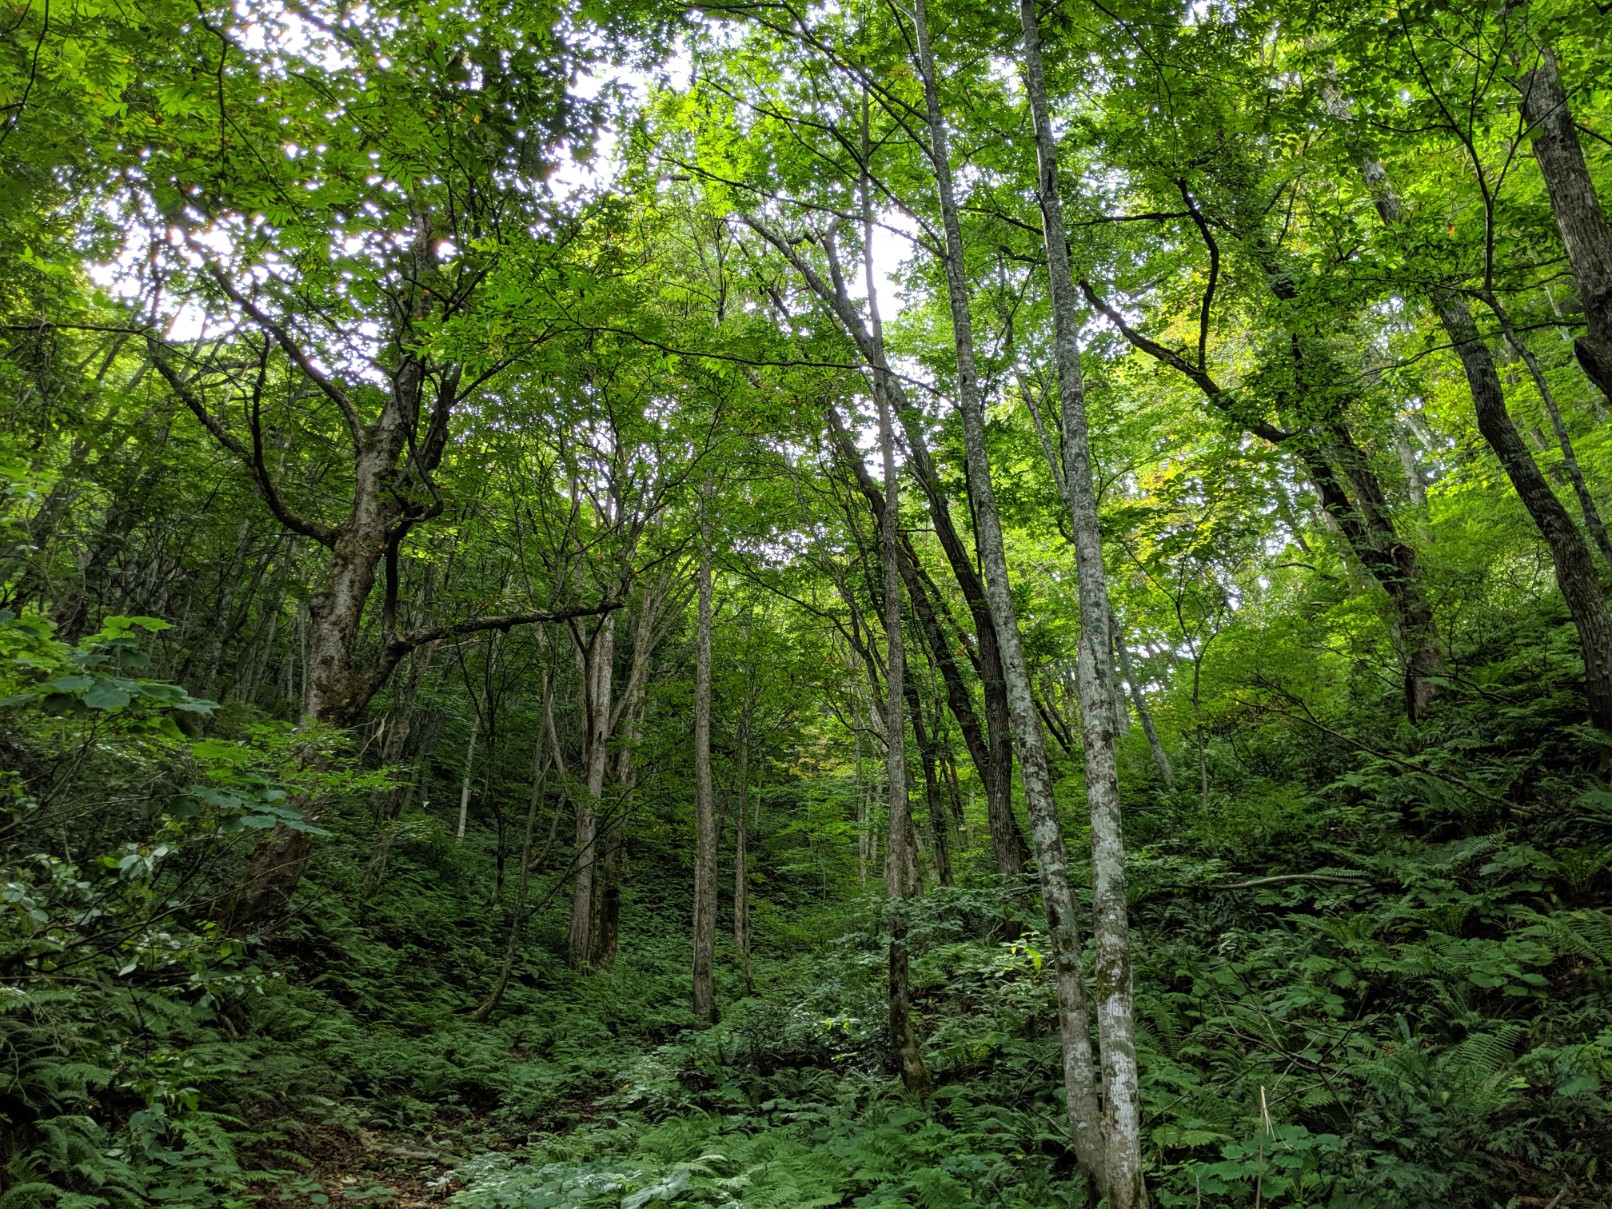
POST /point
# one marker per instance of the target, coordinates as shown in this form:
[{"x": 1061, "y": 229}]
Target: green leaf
[{"x": 109, "y": 695}]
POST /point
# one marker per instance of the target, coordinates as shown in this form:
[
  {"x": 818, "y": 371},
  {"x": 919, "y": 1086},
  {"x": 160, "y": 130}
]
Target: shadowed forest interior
[{"x": 803, "y": 603}]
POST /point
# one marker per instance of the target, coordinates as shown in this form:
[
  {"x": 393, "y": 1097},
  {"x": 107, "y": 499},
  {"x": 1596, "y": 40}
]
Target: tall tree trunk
[
  {"x": 741, "y": 851},
  {"x": 1579, "y": 216},
  {"x": 628, "y": 719},
  {"x": 1144, "y": 715},
  {"x": 863, "y": 852},
  {"x": 900, "y": 858},
  {"x": 1007, "y": 843},
  {"x": 704, "y": 999},
  {"x": 1052, "y": 864},
  {"x": 596, "y": 663},
  {"x": 1116, "y": 1029}
]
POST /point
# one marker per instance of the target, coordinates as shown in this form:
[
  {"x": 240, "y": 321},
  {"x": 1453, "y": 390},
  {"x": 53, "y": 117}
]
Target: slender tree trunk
[
  {"x": 927, "y": 761},
  {"x": 1575, "y": 474},
  {"x": 629, "y": 718},
  {"x": 704, "y": 810},
  {"x": 863, "y": 859},
  {"x": 1116, "y": 1028},
  {"x": 464, "y": 784},
  {"x": 1579, "y": 216},
  {"x": 900, "y": 857},
  {"x": 1144, "y": 715},
  {"x": 1406, "y": 453},
  {"x": 1052, "y": 863},
  {"x": 596, "y": 663},
  {"x": 741, "y": 884}
]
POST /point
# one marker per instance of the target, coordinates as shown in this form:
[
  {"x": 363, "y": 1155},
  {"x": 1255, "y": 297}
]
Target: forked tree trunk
[
  {"x": 1116, "y": 1030},
  {"x": 1579, "y": 216},
  {"x": 1063, "y": 933},
  {"x": 705, "y": 840}
]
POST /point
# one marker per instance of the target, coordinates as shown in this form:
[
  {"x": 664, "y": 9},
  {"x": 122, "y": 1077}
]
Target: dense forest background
[{"x": 805, "y": 604}]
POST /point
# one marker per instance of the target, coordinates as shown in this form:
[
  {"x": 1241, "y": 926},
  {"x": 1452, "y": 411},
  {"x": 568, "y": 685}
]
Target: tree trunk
[
  {"x": 1122, "y": 1127},
  {"x": 330, "y": 697},
  {"x": 863, "y": 856},
  {"x": 900, "y": 857},
  {"x": 596, "y": 663},
  {"x": 1578, "y": 212},
  {"x": 741, "y": 883},
  {"x": 1144, "y": 715},
  {"x": 464, "y": 785},
  {"x": 704, "y": 1000},
  {"x": 933, "y": 794},
  {"x": 629, "y": 717},
  {"x": 1052, "y": 864}
]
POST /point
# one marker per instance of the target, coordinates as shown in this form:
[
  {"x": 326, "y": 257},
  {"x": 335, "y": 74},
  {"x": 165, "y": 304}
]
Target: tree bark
[
  {"x": 1052, "y": 864},
  {"x": 1579, "y": 216},
  {"x": 464, "y": 786},
  {"x": 1116, "y": 1029},
  {"x": 704, "y": 997}
]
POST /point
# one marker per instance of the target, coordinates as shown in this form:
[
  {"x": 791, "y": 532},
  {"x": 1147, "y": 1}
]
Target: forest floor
[{"x": 350, "y": 1165}]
